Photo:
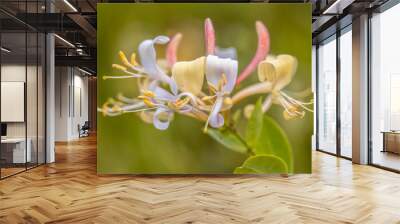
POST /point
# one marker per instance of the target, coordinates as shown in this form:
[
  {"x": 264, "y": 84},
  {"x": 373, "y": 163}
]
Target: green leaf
[
  {"x": 254, "y": 125},
  {"x": 273, "y": 140},
  {"x": 262, "y": 164},
  {"x": 228, "y": 139}
]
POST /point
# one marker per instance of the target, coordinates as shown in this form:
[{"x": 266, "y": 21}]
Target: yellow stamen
[
  {"x": 142, "y": 97},
  {"x": 149, "y": 93},
  {"x": 222, "y": 82},
  {"x": 287, "y": 116},
  {"x": 224, "y": 79},
  {"x": 119, "y": 67},
  {"x": 293, "y": 111},
  {"x": 213, "y": 89},
  {"x": 116, "y": 108},
  {"x": 148, "y": 103},
  {"x": 133, "y": 60},
  {"x": 182, "y": 102},
  {"x": 104, "y": 109},
  {"x": 208, "y": 98},
  {"x": 228, "y": 101},
  {"x": 171, "y": 105},
  {"x": 123, "y": 58}
]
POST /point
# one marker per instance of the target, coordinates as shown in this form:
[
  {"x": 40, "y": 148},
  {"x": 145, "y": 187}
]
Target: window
[
  {"x": 346, "y": 93},
  {"x": 385, "y": 89},
  {"x": 327, "y": 96}
]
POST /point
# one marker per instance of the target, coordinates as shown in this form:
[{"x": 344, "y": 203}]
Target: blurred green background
[{"x": 127, "y": 145}]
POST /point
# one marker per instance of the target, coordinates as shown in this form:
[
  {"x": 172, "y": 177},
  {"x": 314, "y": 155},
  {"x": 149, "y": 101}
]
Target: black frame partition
[
  {"x": 334, "y": 36},
  {"x": 27, "y": 54}
]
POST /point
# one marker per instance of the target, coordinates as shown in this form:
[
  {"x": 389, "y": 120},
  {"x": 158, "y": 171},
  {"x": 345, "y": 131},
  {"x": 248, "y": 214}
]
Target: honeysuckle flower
[
  {"x": 221, "y": 76},
  {"x": 274, "y": 74},
  {"x": 262, "y": 51},
  {"x": 162, "y": 95},
  {"x": 149, "y": 67}
]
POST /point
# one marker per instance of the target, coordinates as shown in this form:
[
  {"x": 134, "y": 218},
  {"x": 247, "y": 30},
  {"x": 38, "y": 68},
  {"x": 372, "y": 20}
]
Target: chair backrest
[{"x": 86, "y": 125}]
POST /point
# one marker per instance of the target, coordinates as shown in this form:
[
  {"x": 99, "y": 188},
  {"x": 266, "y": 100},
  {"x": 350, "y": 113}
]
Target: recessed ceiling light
[
  {"x": 338, "y": 6},
  {"x": 84, "y": 71},
  {"x": 70, "y": 5},
  {"x": 65, "y": 41},
  {"x": 5, "y": 50}
]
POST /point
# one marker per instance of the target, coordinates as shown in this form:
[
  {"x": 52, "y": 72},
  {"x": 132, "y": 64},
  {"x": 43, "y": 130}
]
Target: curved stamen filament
[
  {"x": 285, "y": 105},
  {"x": 120, "y": 77},
  {"x": 217, "y": 101},
  {"x": 127, "y": 100},
  {"x": 259, "y": 88},
  {"x": 297, "y": 102},
  {"x": 139, "y": 110}
]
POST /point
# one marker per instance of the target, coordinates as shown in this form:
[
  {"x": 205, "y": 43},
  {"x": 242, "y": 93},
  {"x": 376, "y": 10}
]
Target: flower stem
[{"x": 233, "y": 131}]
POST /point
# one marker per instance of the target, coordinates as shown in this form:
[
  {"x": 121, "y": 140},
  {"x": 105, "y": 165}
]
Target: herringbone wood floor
[{"x": 69, "y": 191}]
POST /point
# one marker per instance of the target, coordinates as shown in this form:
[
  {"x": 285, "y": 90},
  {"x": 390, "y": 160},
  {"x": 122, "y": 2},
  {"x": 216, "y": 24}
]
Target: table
[
  {"x": 391, "y": 141},
  {"x": 16, "y": 147}
]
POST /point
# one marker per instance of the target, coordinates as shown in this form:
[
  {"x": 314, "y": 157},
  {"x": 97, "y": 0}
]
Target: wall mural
[{"x": 204, "y": 88}]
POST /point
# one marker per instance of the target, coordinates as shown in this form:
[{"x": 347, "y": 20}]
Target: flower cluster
[{"x": 204, "y": 87}]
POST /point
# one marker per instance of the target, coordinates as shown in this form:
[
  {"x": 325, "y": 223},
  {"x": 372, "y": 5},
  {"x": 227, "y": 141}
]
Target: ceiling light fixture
[
  {"x": 337, "y": 7},
  {"x": 65, "y": 41},
  {"x": 70, "y": 5},
  {"x": 5, "y": 50},
  {"x": 84, "y": 71}
]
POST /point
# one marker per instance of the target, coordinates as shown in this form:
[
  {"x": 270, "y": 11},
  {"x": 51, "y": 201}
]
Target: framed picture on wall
[{"x": 204, "y": 88}]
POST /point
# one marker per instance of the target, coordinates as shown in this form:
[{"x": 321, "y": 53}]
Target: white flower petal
[
  {"x": 216, "y": 120},
  {"x": 161, "y": 39},
  {"x": 216, "y": 67},
  {"x": 285, "y": 68},
  {"x": 229, "y": 52},
  {"x": 148, "y": 59},
  {"x": 189, "y": 75},
  {"x": 164, "y": 94},
  {"x": 161, "y": 118}
]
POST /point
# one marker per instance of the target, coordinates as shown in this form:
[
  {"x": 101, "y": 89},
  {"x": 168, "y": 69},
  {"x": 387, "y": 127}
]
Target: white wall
[
  {"x": 62, "y": 82},
  {"x": 71, "y": 102},
  {"x": 16, "y": 73}
]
